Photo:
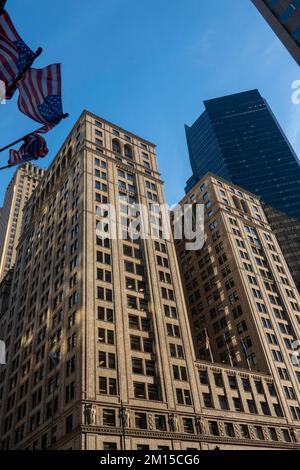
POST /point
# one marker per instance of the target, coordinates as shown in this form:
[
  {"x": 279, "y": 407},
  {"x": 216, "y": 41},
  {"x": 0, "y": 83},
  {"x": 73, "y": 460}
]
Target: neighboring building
[
  {"x": 5, "y": 290},
  {"x": 239, "y": 290},
  {"x": 287, "y": 230},
  {"x": 284, "y": 18},
  {"x": 17, "y": 194},
  {"x": 100, "y": 353},
  {"x": 239, "y": 139}
]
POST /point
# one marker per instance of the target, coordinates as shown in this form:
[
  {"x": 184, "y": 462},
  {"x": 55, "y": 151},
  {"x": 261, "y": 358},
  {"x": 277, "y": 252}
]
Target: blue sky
[{"x": 148, "y": 66}]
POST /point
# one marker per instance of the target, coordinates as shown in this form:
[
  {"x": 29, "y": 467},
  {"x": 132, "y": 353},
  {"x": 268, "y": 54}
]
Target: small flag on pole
[
  {"x": 206, "y": 340},
  {"x": 207, "y": 345},
  {"x": 15, "y": 55},
  {"x": 40, "y": 96},
  {"x": 34, "y": 147},
  {"x": 228, "y": 349},
  {"x": 246, "y": 353}
]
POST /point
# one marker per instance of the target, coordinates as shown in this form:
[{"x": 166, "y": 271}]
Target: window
[
  {"x": 160, "y": 423},
  {"x": 105, "y": 314},
  {"x": 207, "y": 399},
  {"x": 252, "y": 407},
  {"x": 203, "y": 377},
  {"x": 183, "y": 397},
  {"x": 238, "y": 404},
  {"x": 106, "y": 336},
  {"x": 218, "y": 380},
  {"x": 246, "y": 385},
  {"x": 232, "y": 382},
  {"x": 116, "y": 146},
  {"x": 223, "y": 402},
  {"x": 110, "y": 446},
  {"x": 286, "y": 435},
  {"x": 109, "y": 418},
  {"x": 141, "y": 420},
  {"x": 69, "y": 424},
  {"x": 259, "y": 433},
  {"x": 273, "y": 434},
  {"x": 139, "y": 390},
  {"x": 229, "y": 429},
  {"x": 245, "y": 433},
  {"x": 107, "y": 386},
  {"x": 278, "y": 410},
  {"x": 137, "y": 366},
  {"x": 188, "y": 425},
  {"x": 213, "y": 428}
]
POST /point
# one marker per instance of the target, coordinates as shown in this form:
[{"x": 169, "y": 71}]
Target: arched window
[
  {"x": 245, "y": 206},
  {"x": 128, "y": 151},
  {"x": 116, "y": 146},
  {"x": 236, "y": 202}
]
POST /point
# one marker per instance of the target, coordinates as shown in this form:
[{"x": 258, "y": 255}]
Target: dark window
[
  {"x": 229, "y": 429},
  {"x": 207, "y": 398},
  {"x": 69, "y": 423},
  {"x": 188, "y": 425},
  {"x": 139, "y": 390},
  {"x": 160, "y": 423},
  {"x": 213, "y": 428},
  {"x": 110, "y": 446},
  {"x": 141, "y": 420},
  {"x": 259, "y": 433},
  {"x": 109, "y": 418},
  {"x": 245, "y": 431}
]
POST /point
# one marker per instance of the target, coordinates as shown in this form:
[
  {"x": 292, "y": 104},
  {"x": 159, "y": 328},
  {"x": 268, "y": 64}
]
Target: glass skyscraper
[
  {"x": 284, "y": 18},
  {"x": 238, "y": 138}
]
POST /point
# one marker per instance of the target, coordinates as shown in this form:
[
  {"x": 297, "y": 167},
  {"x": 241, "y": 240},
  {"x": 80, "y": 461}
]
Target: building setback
[
  {"x": 100, "y": 353},
  {"x": 284, "y": 18},
  {"x": 17, "y": 194}
]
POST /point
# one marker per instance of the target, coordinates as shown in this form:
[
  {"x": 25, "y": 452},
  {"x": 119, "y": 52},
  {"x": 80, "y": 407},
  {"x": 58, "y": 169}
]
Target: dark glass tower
[
  {"x": 239, "y": 138},
  {"x": 284, "y": 18}
]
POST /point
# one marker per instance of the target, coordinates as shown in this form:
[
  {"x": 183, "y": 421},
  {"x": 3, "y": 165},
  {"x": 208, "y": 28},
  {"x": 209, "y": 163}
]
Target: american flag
[
  {"x": 15, "y": 56},
  {"x": 206, "y": 341},
  {"x": 34, "y": 147},
  {"x": 40, "y": 96}
]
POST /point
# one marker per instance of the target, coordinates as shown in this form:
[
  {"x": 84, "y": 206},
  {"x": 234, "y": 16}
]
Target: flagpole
[
  {"x": 64, "y": 116},
  {"x": 209, "y": 347},
  {"x": 16, "y": 142},
  {"x": 20, "y": 76},
  {"x": 228, "y": 351},
  {"x": 246, "y": 354}
]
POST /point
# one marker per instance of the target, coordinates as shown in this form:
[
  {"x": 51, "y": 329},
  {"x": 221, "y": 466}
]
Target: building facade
[
  {"x": 284, "y": 18},
  {"x": 100, "y": 353},
  {"x": 17, "y": 194},
  {"x": 239, "y": 290},
  {"x": 239, "y": 139},
  {"x": 287, "y": 230}
]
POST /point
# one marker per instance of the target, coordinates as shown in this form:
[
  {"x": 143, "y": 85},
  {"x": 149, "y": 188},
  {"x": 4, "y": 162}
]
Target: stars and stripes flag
[
  {"x": 206, "y": 341},
  {"x": 40, "y": 96},
  {"x": 15, "y": 55},
  {"x": 34, "y": 147}
]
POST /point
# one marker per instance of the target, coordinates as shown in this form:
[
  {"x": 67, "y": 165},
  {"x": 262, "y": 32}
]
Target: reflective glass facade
[
  {"x": 239, "y": 139},
  {"x": 284, "y": 18}
]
